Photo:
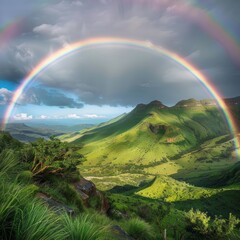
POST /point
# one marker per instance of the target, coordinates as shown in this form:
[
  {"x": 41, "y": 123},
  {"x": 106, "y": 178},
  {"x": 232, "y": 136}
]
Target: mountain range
[{"x": 152, "y": 132}]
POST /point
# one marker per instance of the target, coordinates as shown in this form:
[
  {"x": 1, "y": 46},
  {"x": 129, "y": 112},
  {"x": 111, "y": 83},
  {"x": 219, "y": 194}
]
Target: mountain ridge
[{"x": 151, "y": 132}]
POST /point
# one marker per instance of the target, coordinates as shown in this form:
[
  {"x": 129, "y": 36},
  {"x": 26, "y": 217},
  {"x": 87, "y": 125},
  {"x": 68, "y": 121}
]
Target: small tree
[
  {"x": 232, "y": 223},
  {"x": 51, "y": 157},
  {"x": 198, "y": 221}
]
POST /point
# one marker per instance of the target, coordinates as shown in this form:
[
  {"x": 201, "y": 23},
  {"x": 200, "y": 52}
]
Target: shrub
[
  {"x": 83, "y": 227},
  {"x": 232, "y": 223},
  {"x": 219, "y": 228},
  {"x": 198, "y": 221},
  {"x": 139, "y": 229}
]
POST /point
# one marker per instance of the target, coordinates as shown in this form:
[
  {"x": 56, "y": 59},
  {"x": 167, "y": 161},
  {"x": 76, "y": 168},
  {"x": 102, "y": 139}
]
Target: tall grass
[
  {"x": 24, "y": 218},
  {"x": 8, "y": 163},
  {"x": 83, "y": 227},
  {"x": 35, "y": 221},
  {"x": 139, "y": 229}
]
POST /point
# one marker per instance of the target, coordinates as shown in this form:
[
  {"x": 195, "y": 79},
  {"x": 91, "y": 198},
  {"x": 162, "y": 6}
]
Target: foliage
[
  {"x": 219, "y": 228},
  {"x": 51, "y": 158},
  {"x": 7, "y": 142},
  {"x": 139, "y": 229},
  {"x": 35, "y": 221},
  {"x": 83, "y": 227},
  {"x": 199, "y": 221},
  {"x": 12, "y": 197}
]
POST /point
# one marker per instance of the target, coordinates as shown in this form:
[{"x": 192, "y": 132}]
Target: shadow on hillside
[
  {"x": 130, "y": 189},
  {"x": 221, "y": 203}
]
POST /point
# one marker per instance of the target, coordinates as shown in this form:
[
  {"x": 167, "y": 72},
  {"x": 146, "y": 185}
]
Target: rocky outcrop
[
  {"x": 88, "y": 191},
  {"x": 86, "y": 187},
  {"x": 119, "y": 233}
]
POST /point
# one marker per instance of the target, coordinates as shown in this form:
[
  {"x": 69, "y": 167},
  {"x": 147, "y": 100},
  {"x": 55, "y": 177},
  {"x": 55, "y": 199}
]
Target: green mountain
[{"x": 151, "y": 133}]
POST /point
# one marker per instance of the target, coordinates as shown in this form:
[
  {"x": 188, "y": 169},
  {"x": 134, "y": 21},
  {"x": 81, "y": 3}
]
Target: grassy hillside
[
  {"x": 170, "y": 190},
  {"x": 150, "y": 133}
]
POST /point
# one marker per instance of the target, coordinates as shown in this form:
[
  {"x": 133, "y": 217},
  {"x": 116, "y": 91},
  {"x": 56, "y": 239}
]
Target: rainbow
[
  {"x": 194, "y": 11},
  {"x": 146, "y": 45},
  {"x": 9, "y": 31}
]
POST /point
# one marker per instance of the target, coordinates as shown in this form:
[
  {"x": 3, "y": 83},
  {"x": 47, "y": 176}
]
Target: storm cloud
[{"x": 119, "y": 75}]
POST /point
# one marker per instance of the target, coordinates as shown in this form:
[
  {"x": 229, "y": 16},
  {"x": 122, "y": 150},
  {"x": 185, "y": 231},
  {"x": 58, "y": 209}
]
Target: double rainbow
[{"x": 96, "y": 42}]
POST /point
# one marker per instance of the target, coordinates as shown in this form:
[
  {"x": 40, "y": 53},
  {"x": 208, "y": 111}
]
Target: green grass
[
  {"x": 35, "y": 221},
  {"x": 170, "y": 190},
  {"x": 131, "y": 140},
  {"x": 139, "y": 229},
  {"x": 84, "y": 227}
]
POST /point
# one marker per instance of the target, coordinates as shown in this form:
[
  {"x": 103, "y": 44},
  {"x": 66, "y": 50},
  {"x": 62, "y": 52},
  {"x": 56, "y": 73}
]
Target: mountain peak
[
  {"x": 157, "y": 104},
  {"x": 191, "y": 102}
]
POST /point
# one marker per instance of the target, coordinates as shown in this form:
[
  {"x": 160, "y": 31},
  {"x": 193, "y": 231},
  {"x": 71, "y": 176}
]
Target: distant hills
[
  {"x": 62, "y": 128},
  {"x": 26, "y": 133}
]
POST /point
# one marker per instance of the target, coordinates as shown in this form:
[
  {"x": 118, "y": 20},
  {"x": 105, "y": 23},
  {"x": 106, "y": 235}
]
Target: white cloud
[
  {"x": 43, "y": 117},
  {"x": 73, "y": 116},
  {"x": 85, "y": 116},
  {"x": 48, "y": 30},
  {"x": 93, "y": 116},
  {"x": 22, "y": 116},
  {"x": 5, "y": 96}
]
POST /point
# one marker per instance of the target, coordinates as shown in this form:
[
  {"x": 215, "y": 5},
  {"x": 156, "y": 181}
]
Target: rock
[
  {"x": 55, "y": 205},
  {"x": 119, "y": 233},
  {"x": 88, "y": 190},
  {"x": 157, "y": 128},
  {"x": 86, "y": 187}
]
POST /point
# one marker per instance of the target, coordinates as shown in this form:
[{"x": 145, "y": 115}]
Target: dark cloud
[
  {"x": 48, "y": 97},
  {"x": 120, "y": 76}
]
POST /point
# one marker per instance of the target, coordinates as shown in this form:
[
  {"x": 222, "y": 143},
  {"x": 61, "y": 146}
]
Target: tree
[{"x": 51, "y": 157}]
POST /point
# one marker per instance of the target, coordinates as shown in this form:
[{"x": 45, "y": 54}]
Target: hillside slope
[{"x": 151, "y": 133}]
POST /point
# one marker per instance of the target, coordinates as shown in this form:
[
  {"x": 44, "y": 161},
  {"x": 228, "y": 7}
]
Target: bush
[
  {"x": 139, "y": 229},
  {"x": 198, "y": 221},
  {"x": 83, "y": 227},
  {"x": 219, "y": 228}
]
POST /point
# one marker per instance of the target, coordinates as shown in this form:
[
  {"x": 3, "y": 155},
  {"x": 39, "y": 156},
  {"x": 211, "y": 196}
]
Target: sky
[{"x": 100, "y": 83}]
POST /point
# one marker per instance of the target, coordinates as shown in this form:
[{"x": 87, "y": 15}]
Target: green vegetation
[
  {"x": 204, "y": 227},
  {"x": 139, "y": 229},
  {"x": 84, "y": 227},
  {"x": 23, "y": 215},
  {"x": 148, "y": 134},
  {"x": 171, "y": 190}
]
